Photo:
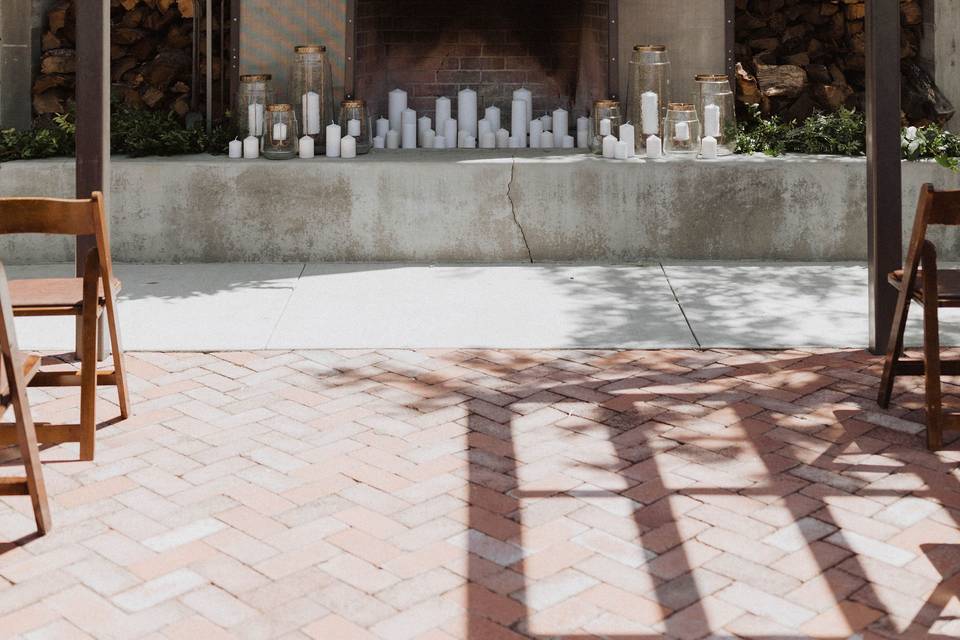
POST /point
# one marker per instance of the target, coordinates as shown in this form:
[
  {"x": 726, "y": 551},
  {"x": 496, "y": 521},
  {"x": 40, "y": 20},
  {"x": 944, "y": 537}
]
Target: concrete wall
[
  {"x": 16, "y": 53},
  {"x": 946, "y": 50},
  {"x": 471, "y": 207}
]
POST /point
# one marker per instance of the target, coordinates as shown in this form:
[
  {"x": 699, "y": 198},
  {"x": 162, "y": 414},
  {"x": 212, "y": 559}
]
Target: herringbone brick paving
[{"x": 492, "y": 494}]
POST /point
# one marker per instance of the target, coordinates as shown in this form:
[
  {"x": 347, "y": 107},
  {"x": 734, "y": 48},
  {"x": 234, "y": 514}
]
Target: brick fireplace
[{"x": 556, "y": 48}]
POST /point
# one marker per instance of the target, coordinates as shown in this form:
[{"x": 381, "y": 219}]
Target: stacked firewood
[
  {"x": 798, "y": 56},
  {"x": 151, "y": 55}
]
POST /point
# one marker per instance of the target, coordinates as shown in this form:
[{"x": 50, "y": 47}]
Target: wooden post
[
  {"x": 613, "y": 50},
  {"x": 884, "y": 206}
]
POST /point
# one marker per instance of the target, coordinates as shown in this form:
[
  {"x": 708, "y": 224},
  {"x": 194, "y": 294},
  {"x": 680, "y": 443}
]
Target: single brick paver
[{"x": 482, "y": 494}]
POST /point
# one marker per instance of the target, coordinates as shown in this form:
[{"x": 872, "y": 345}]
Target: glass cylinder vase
[
  {"x": 311, "y": 91},
  {"x": 280, "y": 134},
  {"x": 605, "y": 120},
  {"x": 681, "y": 129},
  {"x": 717, "y": 107},
  {"x": 354, "y": 121},
  {"x": 250, "y": 104},
  {"x": 649, "y": 90}
]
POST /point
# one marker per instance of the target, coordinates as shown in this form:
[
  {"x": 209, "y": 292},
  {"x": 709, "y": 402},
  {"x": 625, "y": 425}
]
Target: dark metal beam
[
  {"x": 350, "y": 50},
  {"x": 730, "y": 37},
  {"x": 884, "y": 206},
  {"x": 234, "y": 51},
  {"x": 613, "y": 50}
]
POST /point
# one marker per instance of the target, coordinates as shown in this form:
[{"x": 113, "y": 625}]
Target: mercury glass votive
[
  {"x": 717, "y": 107},
  {"x": 280, "y": 136},
  {"x": 354, "y": 121},
  {"x": 253, "y": 95},
  {"x": 605, "y": 120},
  {"x": 681, "y": 129},
  {"x": 311, "y": 91}
]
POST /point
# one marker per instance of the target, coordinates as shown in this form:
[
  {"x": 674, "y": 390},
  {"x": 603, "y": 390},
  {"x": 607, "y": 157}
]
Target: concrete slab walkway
[{"x": 318, "y": 306}]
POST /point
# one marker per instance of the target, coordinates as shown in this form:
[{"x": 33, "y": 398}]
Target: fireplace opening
[{"x": 431, "y": 48}]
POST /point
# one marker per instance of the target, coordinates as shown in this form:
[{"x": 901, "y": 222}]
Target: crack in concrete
[{"x": 513, "y": 208}]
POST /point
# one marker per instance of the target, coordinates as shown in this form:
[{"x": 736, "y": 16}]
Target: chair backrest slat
[
  {"x": 49, "y": 216},
  {"x": 944, "y": 208}
]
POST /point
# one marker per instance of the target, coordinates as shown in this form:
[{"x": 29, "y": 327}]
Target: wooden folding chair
[
  {"x": 17, "y": 371},
  {"x": 85, "y": 298},
  {"x": 920, "y": 280}
]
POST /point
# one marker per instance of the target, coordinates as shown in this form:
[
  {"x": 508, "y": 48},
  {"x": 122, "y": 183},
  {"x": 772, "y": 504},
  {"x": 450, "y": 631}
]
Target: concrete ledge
[{"x": 475, "y": 207}]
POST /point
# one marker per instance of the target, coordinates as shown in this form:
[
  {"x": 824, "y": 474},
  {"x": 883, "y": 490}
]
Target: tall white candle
[
  {"x": 547, "y": 122},
  {"x": 279, "y": 132},
  {"x": 443, "y": 114},
  {"x": 681, "y": 132},
  {"x": 311, "y": 112},
  {"x": 519, "y": 119},
  {"x": 583, "y": 139},
  {"x": 536, "y": 131},
  {"x": 333, "y": 140},
  {"x": 397, "y": 104},
  {"x": 628, "y": 134},
  {"x": 492, "y": 115},
  {"x": 708, "y": 148},
  {"x": 307, "y": 147},
  {"x": 654, "y": 147},
  {"x": 469, "y": 142},
  {"x": 561, "y": 123},
  {"x": 383, "y": 125},
  {"x": 255, "y": 119},
  {"x": 606, "y": 127},
  {"x": 517, "y": 143},
  {"x": 353, "y": 127},
  {"x": 409, "y": 135},
  {"x": 380, "y": 142},
  {"x": 348, "y": 147},
  {"x": 235, "y": 148},
  {"x": 546, "y": 140},
  {"x": 424, "y": 124},
  {"x": 503, "y": 138},
  {"x": 488, "y": 140},
  {"x": 429, "y": 137},
  {"x": 440, "y": 142},
  {"x": 450, "y": 133},
  {"x": 620, "y": 150},
  {"x": 484, "y": 126},
  {"x": 650, "y": 112},
  {"x": 526, "y": 96},
  {"x": 711, "y": 120},
  {"x": 393, "y": 139},
  {"x": 409, "y": 116},
  {"x": 568, "y": 142},
  {"x": 609, "y": 146},
  {"x": 467, "y": 111},
  {"x": 251, "y": 147}
]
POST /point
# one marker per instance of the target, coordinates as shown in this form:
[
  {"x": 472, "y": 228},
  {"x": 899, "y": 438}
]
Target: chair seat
[
  {"x": 52, "y": 292},
  {"x": 948, "y": 286},
  {"x": 31, "y": 365}
]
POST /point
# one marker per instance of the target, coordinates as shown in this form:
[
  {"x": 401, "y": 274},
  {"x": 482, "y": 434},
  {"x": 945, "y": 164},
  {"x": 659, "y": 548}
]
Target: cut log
[
  {"x": 922, "y": 100},
  {"x": 58, "y": 61},
  {"x": 749, "y": 91},
  {"x": 781, "y": 81}
]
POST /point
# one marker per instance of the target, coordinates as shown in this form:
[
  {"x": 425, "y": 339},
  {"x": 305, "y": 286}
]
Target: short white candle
[
  {"x": 255, "y": 119},
  {"x": 536, "y": 131},
  {"x": 708, "y": 148},
  {"x": 279, "y": 132},
  {"x": 583, "y": 132},
  {"x": 484, "y": 126},
  {"x": 424, "y": 124},
  {"x": 333, "y": 140},
  {"x": 492, "y": 115},
  {"x": 526, "y": 96},
  {"x": 393, "y": 139},
  {"x": 546, "y": 140},
  {"x": 561, "y": 123},
  {"x": 379, "y": 142},
  {"x": 654, "y": 147},
  {"x": 488, "y": 140},
  {"x": 429, "y": 137},
  {"x": 440, "y": 142},
  {"x": 409, "y": 135},
  {"x": 628, "y": 135},
  {"x": 650, "y": 112},
  {"x": 620, "y": 150},
  {"x": 606, "y": 127},
  {"x": 469, "y": 142},
  {"x": 467, "y": 111},
  {"x": 569, "y": 142},
  {"x": 519, "y": 119},
  {"x": 251, "y": 147},
  {"x": 711, "y": 120},
  {"x": 450, "y": 133},
  {"x": 503, "y": 138},
  {"x": 609, "y": 146},
  {"x": 397, "y": 104},
  {"x": 462, "y": 139},
  {"x": 236, "y": 148},
  {"x": 311, "y": 112},
  {"x": 442, "y": 115},
  {"x": 547, "y": 122},
  {"x": 383, "y": 125},
  {"x": 353, "y": 127},
  {"x": 681, "y": 132},
  {"x": 307, "y": 147},
  {"x": 348, "y": 147}
]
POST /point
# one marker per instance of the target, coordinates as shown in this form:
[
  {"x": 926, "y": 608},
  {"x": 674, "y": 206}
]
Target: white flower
[
  {"x": 911, "y": 133},
  {"x": 913, "y": 146}
]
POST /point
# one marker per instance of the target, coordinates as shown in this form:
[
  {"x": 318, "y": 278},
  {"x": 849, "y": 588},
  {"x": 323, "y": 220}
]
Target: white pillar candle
[
  {"x": 383, "y": 125},
  {"x": 606, "y": 127},
  {"x": 393, "y": 139},
  {"x": 255, "y": 119},
  {"x": 609, "y": 146},
  {"x": 536, "y": 131},
  {"x": 492, "y": 115},
  {"x": 429, "y": 137},
  {"x": 650, "y": 112},
  {"x": 442, "y": 115},
  {"x": 235, "y": 148},
  {"x": 484, "y": 126},
  {"x": 654, "y": 147},
  {"x": 561, "y": 123},
  {"x": 519, "y": 119},
  {"x": 424, "y": 124},
  {"x": 251, "y": 147},
  {"x": 568, "y": 142},
  {"x": 462, "y": 139},
  {"x": 628, "y": 134},
  {"x": 353, "y": 127},
  {"x": 708, "y": 148},
  {"x": 681, "y": 132},
  {"x": 467, "y": 111},
  {"x": 307, "y": 147},
  {"x": 348, "y": 147},
  {"x": 409, "y": 135},
  {"x": 380, "y": 142},
  {"x": 450, "y": 133},
  {"x": 503, "y": 138},
  {"x": 470, "y": 142},
  {"x": 279, "y": 132},
  {"x": 620, "y": 150},
  {"x": 516, "y": 143},
  {"x": 333, "y": 140},
  {"x": 397, "y": 104},
  {"x": 311, "y": 112},
  {"x": 409, "y": 116},
  {"x": 488, "y": 140},
  {"x": 546, "y": 140},
  {"x": 440, "y": 142},
  {"x": 711, "y": 120},
  {"x": 583, "y": 132},
  {"x": 547, "y": 122},
  {"x": 526, "y": 96}
]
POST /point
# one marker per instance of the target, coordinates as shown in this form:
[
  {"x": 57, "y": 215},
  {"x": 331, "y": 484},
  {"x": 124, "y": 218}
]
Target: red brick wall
[{"x": 432, "y": 48}]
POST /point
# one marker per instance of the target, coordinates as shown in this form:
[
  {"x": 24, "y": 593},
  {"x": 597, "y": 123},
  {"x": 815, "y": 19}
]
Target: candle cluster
[{"x": 401, "y": 129}]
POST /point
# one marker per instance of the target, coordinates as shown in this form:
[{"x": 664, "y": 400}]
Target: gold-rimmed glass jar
[
  {"x": 280, "y": 134},
  {"x": 717, "y": 107},
  {"x": 605, "y": 120},
  {"x": 681, "y": 129},
  {"x": 311, "y": 90},
  {"x": 250, "y": 104},
  {"x": 355, "y": 121},
  {"x": 649, "y": 90}
]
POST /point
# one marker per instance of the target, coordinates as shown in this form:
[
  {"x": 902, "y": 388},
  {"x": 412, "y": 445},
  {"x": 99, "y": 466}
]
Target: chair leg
[
  {"x": 931, "y": 356},
  {"x": 119, "y": 368},
  {"x": 88, "y": 381},
  {"x": 894, "y": 353},
  {"x": 27, "y": 440}
]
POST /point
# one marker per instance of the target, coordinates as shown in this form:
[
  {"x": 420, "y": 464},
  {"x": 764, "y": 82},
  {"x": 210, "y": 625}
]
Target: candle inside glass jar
[
  {"x": 606, "y": 127},
  {"x": 711, "y": 120},
  {"x": 279, "y": 132},
  {"x": 353, "y": 127},
  {"x": 650, "y": 112},
  {"x": 681, "y": 132}
]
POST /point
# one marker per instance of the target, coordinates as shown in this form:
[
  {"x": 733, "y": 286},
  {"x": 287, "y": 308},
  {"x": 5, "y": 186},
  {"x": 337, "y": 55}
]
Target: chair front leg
[
  {"x": 931, "y": 349},
  {"x": 88, "y": 356}
]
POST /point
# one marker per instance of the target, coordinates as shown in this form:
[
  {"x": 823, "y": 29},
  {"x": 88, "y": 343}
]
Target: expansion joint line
[
  {"x": 513, "y": 208},
  {"x": 680, "y": 306}
]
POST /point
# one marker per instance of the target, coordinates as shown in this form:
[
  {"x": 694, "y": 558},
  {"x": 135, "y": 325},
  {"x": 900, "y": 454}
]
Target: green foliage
[
  {"x": 56, "y": 139},
  {"x": 843, "y": 133},
  {"x": 931, "y": 142}
]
